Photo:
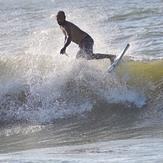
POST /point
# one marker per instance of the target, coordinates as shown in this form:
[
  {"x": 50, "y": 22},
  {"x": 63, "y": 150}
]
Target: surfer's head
[{"x": 61, "y": 18}]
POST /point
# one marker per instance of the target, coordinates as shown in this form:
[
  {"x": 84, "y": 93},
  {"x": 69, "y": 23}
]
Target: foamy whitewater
[{"x": 55, "y": 108}]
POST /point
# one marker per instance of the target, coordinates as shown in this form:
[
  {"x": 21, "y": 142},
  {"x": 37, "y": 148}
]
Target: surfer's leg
[
  {"x": 87, "y": 47},
  {"x": 102, "y": 56},
  {"x": 112, "y": 58},
  {"x": 80, "y": 54},
  {"x": 86, "y": 51}
]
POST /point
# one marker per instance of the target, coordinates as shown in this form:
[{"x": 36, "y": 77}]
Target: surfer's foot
[{"x": 112, "y": 58}]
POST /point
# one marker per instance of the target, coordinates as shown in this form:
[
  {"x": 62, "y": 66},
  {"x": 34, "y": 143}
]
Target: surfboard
[{"x": 117, "y": 60}]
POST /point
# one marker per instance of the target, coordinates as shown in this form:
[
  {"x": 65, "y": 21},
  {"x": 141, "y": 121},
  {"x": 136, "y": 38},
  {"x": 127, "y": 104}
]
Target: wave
[{"x": 41, "y": 89}]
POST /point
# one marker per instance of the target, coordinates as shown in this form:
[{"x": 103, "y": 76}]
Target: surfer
[{"x": 81, "y": 38}]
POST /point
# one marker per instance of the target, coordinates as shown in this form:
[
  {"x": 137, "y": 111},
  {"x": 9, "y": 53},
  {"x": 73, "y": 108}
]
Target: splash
[{"x": 41, "y": 89}]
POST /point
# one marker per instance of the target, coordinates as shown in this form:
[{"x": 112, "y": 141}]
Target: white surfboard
[{"x": 117, "y": 60}]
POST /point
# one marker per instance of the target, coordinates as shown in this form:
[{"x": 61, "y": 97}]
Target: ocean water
[{"x": 55, "y": 108}]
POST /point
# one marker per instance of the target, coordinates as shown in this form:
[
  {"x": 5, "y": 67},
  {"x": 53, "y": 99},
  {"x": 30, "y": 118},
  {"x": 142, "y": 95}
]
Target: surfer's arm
[
  {"x": 67, "y": 42},
  {"x": 68, "y": 39}
]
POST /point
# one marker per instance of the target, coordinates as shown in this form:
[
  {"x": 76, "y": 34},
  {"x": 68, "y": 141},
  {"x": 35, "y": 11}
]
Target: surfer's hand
[{"x": 63, "y": 51}]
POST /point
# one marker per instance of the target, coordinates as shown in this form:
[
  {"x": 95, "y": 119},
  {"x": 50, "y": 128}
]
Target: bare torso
[{"x": 71, "y": 30}]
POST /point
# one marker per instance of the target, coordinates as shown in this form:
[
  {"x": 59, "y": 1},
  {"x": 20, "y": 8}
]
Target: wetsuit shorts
[{"x": 86, "y": 48}]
